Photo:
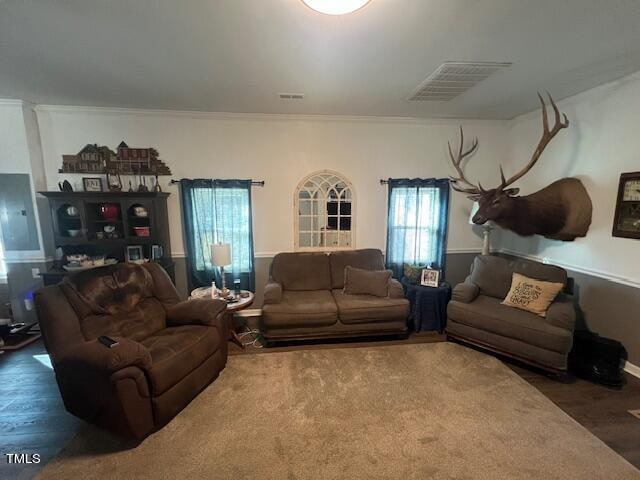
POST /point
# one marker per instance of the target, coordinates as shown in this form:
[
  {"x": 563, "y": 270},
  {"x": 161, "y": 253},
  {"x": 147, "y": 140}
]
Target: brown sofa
[
  {"x": 304, "y": 298},
  {"x": 476, "y": 315},
  {"x": 168, "y": 350}
]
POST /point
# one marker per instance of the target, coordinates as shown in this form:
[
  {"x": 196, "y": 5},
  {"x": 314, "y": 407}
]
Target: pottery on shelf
[
  {"x": 140, "y": 211},
  {"x": 109, "y": 211},
  {"x": 72, "y": 211},
  {"x": 142, "y": 231}
]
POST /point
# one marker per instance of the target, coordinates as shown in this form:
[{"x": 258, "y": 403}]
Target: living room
[{"x": 254, "y": 174}]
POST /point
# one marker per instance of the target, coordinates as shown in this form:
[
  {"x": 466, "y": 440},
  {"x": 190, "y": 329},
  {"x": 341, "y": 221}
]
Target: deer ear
[
  {"x": 512, "y": 191},
  {"x": 475, "y": 198}
]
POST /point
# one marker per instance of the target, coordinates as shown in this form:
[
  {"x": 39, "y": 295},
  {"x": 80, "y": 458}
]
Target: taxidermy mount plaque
[{"x": 560, "y": 211}]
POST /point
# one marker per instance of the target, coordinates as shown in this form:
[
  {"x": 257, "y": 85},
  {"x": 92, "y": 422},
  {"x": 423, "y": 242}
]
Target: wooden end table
[{"x": 232, "y": 307}]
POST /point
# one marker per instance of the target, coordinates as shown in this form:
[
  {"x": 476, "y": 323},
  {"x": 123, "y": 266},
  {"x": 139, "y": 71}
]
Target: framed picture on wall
[
  {"x": 626, "y": 222},
  {"x": 430, "y": 277},
  {"x": 92, "y": 184}
]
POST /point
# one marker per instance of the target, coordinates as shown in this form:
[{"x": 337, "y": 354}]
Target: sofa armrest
[
  {"x": 272, "y": 293},
  {"x": 465, "y": 292},
  {"x": 396, "y": 290},
  {"x": 199, "y": 311},
  {"x": 562, "y": 313},
  {"x": 98, "y": 357}
]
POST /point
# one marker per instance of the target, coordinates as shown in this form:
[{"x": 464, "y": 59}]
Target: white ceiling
[{"x": 237, "y": 55}]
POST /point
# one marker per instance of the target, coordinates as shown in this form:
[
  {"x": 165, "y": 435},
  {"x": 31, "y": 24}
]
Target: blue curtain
[
  {"x": 417, "y": 223},
  {"x": 218, "y": 211}
]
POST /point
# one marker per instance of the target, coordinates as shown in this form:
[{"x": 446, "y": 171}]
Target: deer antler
[
  {"x": 457, "y": 164},
  {"x": 547, "y": 136}
]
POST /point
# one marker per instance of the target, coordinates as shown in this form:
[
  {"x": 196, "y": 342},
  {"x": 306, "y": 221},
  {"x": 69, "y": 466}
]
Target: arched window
[{"x": 324, "y": 205}]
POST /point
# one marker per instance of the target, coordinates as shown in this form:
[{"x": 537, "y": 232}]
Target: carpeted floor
[{"x": 437, "y": 411}]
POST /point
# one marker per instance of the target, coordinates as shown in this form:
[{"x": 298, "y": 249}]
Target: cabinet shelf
[{"x": 89, "y": 206}]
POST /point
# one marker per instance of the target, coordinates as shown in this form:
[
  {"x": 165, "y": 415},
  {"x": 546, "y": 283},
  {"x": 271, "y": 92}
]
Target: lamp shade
[{"x": 221, "y": 254}]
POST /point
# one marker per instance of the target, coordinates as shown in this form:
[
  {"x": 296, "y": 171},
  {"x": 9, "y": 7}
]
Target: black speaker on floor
[{"x": 597, "y": 358}]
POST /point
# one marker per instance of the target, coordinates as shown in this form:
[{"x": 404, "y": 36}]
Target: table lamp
[
  {"x": 221, "y": 257},
  {"x": 486, "y": 230}
]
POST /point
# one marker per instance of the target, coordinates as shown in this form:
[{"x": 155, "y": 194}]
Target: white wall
[
  {"x": 602, "y": 141},
  {"x": 19, "y": 153},
  {"x": 280, "y": 150}
]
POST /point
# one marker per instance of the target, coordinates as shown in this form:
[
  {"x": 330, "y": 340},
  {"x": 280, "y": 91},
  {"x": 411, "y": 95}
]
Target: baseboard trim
[
  {"x": 249, "y": 312},
  {"x": 567, "y": 266},
  {"x": 632, "y": 369}
]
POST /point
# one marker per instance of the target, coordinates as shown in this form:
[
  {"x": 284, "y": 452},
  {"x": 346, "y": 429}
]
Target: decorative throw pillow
[
  {"x": 413, "y": 272},
  {"x": 366, "y": 282},
  {"x": 531, "y": 295}
]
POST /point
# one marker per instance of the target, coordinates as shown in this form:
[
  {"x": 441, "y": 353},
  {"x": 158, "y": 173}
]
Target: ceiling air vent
[
  {"x": 291, "y": 96},
  {"x": 454, "y": 78}
]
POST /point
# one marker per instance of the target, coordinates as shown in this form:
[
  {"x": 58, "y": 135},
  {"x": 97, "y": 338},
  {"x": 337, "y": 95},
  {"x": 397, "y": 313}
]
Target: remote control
[{"x": 108, "y": 342}]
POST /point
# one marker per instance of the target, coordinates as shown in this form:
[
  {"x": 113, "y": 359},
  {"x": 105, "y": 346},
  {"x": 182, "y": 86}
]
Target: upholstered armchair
[{"x": 167, "y": 352}]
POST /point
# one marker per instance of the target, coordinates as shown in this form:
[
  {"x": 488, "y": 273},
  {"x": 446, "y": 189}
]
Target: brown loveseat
[
  {"x": 304, "y": 298},
  {"x": 476, "y": 315},
  {"x": 168, "y": 350}
]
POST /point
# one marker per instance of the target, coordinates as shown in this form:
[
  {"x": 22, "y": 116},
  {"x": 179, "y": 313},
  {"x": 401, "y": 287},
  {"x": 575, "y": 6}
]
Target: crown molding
[
  {"x": 13, "y": 102},
  {"x": 196, "y": 114}
]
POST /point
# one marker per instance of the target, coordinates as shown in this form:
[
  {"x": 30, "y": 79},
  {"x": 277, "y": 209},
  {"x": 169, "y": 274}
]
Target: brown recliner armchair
[{"x": 168, "y": 350}]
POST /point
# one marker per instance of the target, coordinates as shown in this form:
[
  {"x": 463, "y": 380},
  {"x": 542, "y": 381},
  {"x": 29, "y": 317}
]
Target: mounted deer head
[{"x": 560, "y": 211}]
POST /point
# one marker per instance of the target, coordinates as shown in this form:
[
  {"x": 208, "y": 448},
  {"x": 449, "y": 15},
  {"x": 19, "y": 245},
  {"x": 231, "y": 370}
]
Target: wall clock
[{"x": 626, "y": 222}]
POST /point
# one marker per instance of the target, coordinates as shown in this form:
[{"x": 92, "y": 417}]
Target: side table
[
  {"x": 232, "y": 307},
  {"x": 428, "y": 305}
]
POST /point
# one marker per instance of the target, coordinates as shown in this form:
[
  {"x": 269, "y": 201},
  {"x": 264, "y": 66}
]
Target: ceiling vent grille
[
  {"x": 291, "y": 96},
  {"x": 454, "y": 78}
]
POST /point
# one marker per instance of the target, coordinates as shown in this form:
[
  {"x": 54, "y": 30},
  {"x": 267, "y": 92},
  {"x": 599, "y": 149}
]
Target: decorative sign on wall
[
  {"x": 127, "y": 161},
  {"x": 626, "y": 222}
]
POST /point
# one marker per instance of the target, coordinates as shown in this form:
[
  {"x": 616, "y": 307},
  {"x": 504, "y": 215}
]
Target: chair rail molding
[{"x": 568, "y": 266}]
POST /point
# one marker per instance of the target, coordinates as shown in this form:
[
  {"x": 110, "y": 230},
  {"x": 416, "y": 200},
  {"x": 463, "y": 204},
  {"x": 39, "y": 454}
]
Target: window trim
[{"x": 296, "y": 215}]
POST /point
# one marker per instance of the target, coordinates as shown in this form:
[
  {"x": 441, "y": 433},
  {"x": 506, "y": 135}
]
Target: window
[
  {"x": 324, "y": 206},
  {"x": 417, "y": 223},
  {"x": 218, "y": 211}
]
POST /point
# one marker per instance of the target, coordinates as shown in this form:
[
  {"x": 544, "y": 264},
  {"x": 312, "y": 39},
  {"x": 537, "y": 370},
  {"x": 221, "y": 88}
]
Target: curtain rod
[
  {"x": 254, "y": 184},
  {"x": 383, "y": 182}
]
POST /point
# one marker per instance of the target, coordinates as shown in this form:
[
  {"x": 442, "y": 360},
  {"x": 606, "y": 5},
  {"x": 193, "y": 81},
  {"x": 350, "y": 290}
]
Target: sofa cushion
[
  {"x": 311, "y": 308},
  {"x": 492, "y": 274},
  {"x": 531, "y": 295},
  {"x": 366, "y": 282},
  {"x": 488, "y": 313},
  {"x": 366, "y": 259},
  {"x": 368, "y": 308},
  {"x": 301, "y": 271},
  {"x": 177, "y": 351}
]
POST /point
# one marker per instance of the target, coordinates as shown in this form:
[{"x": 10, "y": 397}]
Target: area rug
[{"x": 426, "y": 411}]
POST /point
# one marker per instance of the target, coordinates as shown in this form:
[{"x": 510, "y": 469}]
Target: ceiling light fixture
[{"x": 335, "y": 7}]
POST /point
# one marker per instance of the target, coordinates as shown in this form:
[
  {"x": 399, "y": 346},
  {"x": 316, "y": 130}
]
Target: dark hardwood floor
[{"x": 33, "y": 418}]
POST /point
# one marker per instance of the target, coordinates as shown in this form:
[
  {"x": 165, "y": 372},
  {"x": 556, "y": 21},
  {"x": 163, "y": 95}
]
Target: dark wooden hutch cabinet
[{"x": 80, "y": 213}]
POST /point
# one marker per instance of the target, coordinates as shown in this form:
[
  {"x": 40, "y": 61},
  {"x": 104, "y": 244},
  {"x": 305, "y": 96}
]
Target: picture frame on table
[
  {"x": 92, "y": 184},
  {"x": 134, "y": 254},
  {"x": 156, "y": 252},
  {"x": 430, "y": 277}
]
